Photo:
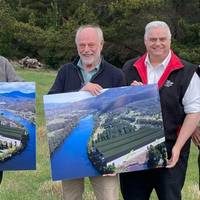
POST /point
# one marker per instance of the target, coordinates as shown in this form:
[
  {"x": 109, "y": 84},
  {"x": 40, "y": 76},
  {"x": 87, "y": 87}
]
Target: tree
[
  {"x": 46, "y": 29},
  {"x": 27, "y": 40},
  {"x": 125, "y": 32},
  {"x": 6, "y": 29}
]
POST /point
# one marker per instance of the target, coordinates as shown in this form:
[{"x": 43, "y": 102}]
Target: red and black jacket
[{"x": 172, "y": 87}]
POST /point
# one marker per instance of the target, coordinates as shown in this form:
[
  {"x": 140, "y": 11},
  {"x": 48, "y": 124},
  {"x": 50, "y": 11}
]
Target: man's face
[
  {"x": 89, "y": 47},
  {"x": 158, "y": 43}
]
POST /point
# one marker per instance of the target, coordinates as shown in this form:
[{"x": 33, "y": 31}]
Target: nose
[
  {"x": 157, "y": 42},
  {"x": 86, "y": 48}
]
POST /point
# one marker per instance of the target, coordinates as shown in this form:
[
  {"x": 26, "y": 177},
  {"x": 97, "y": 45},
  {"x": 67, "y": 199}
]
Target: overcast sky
[
  {"x": 68, "y": 97},
  {"x": 25, "y": 87}
]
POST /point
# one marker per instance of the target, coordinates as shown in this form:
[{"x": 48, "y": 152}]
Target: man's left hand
[{"x": 196, "y": 136}]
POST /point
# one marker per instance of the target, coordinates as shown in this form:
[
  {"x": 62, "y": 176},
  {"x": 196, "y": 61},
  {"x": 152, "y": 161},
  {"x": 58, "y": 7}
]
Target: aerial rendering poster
[
  {"x": 17, "y": 126},
  {"x": 118, "y": 131}
]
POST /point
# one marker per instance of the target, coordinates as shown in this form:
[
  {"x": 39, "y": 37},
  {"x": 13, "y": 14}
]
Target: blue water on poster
[
  {"x": 70, "y": 160},
  {"x": 25, "y": 160}
]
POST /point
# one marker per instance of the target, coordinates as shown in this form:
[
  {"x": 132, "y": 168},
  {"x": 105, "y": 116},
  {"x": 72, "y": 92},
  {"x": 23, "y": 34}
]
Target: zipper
[
  {"x": 79, "y": 75},
  {"x": 95, "y": 75}
]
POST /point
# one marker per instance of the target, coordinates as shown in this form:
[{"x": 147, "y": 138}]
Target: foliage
[
  {"x": 6, "y": 29},
  {"x": 46, "y": 29},
  {"x": 27, "y": 39},
  {"x": 156, "y": 156},
  {"x": 188, "y": 46}
]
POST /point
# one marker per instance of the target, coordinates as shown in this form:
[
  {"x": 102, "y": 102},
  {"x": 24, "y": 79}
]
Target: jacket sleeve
[
  {"x": 128, "y": 72},
  {"x": 58, "y": 85},
  {"x": 198, "y": 70},
  {"x": 121, "y": 80},
  {"x": 10, "y": 73}
]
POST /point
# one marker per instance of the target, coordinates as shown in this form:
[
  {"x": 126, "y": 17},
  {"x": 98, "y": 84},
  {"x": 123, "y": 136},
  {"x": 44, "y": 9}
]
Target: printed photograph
[
  {"x": 118, "y": 131},
  {"x": 17, "y": 126}
]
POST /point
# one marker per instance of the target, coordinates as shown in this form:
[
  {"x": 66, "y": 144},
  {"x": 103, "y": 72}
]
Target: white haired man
[
  {"x": 179, "y": 92},
  {"x": 89, "y": 72}
]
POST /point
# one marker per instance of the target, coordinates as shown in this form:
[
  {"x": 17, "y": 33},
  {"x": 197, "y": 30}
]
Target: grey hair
[
  {"x": 157, "y": 24},
  {"x": 96, "y": 27}
]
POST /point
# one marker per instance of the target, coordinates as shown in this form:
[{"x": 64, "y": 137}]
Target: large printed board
[{"x": 118, "y": 131}]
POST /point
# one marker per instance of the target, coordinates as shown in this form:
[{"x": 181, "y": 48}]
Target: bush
[
  {"x": 6, "y": 29},
  {"x": 27, "y": 40}
]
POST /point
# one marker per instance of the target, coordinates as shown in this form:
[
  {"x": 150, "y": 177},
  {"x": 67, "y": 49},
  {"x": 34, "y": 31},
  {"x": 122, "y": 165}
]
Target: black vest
[{"x": 171, "y": 95}]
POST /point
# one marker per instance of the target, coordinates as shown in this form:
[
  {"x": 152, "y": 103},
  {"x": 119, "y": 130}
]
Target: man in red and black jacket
[{"x": 180, "y": 102}]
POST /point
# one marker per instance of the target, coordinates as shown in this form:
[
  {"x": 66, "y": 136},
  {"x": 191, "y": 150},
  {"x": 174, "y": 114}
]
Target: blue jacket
[{"x": 69, "y": 77}]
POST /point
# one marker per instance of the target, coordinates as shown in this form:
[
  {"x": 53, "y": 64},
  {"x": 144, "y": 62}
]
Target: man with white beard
[{"x": 89, "y": 72}]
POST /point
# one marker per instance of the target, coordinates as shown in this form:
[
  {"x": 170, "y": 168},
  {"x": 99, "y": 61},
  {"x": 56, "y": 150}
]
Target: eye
[
  {"x": 81, "y": 46},
  {"x": 153, "y": 39},
  {"x": 91, "y": 45},
  {"x": 163, "y": 39}
]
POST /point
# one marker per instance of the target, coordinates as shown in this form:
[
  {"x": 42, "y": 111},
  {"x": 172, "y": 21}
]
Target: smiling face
[
  {"x": 157, "y": 42},
  {"x": 89, "y": 46}
]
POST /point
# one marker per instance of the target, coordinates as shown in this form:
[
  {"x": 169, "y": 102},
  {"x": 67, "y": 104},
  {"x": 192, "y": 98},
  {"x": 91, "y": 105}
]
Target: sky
[
  {"x": 25, "y": 87},
  {"x": 68, "y": 97}
]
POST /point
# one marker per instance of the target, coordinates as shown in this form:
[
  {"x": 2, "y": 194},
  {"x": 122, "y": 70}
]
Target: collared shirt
[
  {"x": 191, "y": 99},
  {"x": 87, "y": 76},
  {"x": 154, "y": 73}
]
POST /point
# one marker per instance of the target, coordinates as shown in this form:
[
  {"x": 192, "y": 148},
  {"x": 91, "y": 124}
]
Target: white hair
[
  {"x": 156, "y": 24},
  {"x": 96, "y": 27}
]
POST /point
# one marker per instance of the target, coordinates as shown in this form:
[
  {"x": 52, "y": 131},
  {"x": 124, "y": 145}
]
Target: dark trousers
[{"x": 167, "y": 183}]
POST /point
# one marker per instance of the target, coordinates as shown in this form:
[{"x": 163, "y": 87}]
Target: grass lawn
[{"x": 37, "y": 185}]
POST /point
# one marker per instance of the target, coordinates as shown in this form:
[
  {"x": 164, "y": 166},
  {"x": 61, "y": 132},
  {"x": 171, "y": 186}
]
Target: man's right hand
[
  {"x": 136, "y": 83},
  {"x": 93, "y": 88}
]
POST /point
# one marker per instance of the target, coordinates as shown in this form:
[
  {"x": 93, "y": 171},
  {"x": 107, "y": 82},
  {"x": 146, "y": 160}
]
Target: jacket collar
[{"x": 174, "y": 64}]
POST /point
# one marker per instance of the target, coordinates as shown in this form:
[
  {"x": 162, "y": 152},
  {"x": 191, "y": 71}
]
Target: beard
[
  {"x": 92, "y": 60},
  {"x": 87, "y": 61}
]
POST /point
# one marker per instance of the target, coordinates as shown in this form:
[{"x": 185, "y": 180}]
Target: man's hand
[
  {"x": 196, "y": 137},
  {"x": 174, "y": 158},
  {"x": 93, "y": 88},
  {"x": 188, "y": 128},
  {"x": 136, "y": 83}
]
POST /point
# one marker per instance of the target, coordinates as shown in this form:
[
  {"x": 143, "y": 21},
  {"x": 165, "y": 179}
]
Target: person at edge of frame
[
  {"x": 180, "y": 103},
  {"x": 7, "y": 74},
  {"x": 89, "y": 72},
  {"x": 196, "y": 136}
]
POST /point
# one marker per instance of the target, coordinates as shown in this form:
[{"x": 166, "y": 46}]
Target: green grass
[
  {"x": 37, "y": 185},
  {"x": 44, "y": 80}
]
